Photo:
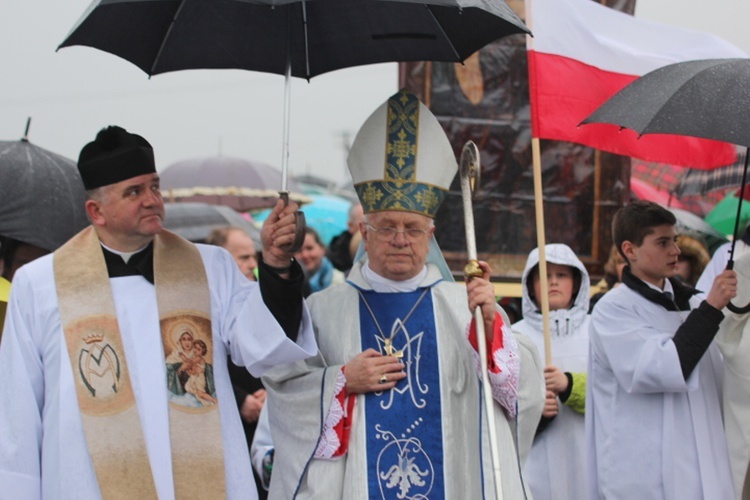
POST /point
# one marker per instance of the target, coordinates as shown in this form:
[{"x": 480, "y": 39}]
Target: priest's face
[
  {"x": 128, "y": 213},
  {"x": 397, "y": 243}
]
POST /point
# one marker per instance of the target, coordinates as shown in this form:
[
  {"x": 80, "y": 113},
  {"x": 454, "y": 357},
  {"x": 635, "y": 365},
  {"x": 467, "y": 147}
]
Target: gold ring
[{"x": 383, "y": 379}]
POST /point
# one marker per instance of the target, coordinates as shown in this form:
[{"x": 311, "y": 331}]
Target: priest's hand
[
  {"x": 370, "y": 371},
  {"x": 482, "y": 294},
  {"x": 278, "y": 233}
]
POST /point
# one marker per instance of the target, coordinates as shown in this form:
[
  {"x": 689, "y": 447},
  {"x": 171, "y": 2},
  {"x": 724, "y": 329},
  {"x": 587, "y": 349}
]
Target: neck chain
[{"x": 388, "y": 347}]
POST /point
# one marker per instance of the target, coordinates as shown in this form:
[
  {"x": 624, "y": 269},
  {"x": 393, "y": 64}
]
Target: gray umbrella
[
  {"x": 708, "y": 98},
  {"x": 225, "y": 180},
  {"x": 41, "y": 195},
  {"x": 195, "y": 221}
]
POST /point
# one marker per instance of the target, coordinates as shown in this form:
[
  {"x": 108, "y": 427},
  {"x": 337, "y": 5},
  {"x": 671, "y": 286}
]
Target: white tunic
[
  {"x": 43, "y": 451},
  {"x": 650, "y": 434}
]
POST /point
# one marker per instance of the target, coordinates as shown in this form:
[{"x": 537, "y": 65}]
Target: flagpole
[
  {"x": 469, "y": 173},
  {"x": 536, "y": 159},
  {"x": 541, "y": 242}
]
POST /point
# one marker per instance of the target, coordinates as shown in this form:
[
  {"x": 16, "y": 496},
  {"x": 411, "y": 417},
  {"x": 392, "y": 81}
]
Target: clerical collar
[
  {"x": 125, "y": 255},
  {"x": 139, "y": 263},
  {"x": 681, "y": 292},
  {"x": 385, "y": 285}
]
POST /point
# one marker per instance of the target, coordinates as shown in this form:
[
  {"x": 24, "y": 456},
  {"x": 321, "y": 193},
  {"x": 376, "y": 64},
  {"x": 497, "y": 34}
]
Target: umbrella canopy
[
  {"x": 328, "y": 215},
  {"x": 41, "y": 195},
  {"x": 709, "y": 98},
  {"x": 224, "y": 180},
  {"x": 312, "y": 36},
  {"x": 708, "y": 182},
  {"x": 667, "y": 179},
  {"x": 195, "y": 221}
]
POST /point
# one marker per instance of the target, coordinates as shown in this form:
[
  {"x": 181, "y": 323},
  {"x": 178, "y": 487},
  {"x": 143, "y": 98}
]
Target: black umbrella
[
  {"x": 708, "y": 98},
  {"x": 195, "y": 221},
  {"x": 310, "y": 36},
  {"x": 301, "y": 38},
  {"x": 41, "y": 195}
]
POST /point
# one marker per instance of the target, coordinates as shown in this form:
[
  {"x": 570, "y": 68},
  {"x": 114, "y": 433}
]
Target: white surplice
[
  {"x": 650, "y": 434},
  {"x": 43, "y": 451}
]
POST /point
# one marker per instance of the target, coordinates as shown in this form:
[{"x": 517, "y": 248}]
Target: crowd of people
[{"x": 354, "y": 370}]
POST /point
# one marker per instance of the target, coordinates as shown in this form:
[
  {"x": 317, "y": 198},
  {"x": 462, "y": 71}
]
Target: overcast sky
[{"x": 72, "y": 93}]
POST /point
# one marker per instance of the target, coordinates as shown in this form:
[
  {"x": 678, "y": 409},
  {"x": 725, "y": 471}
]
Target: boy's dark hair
[{"x": 636, "y": 220}]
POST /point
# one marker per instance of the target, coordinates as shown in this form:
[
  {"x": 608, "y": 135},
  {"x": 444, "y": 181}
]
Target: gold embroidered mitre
[{"x": 401, "y": 158}]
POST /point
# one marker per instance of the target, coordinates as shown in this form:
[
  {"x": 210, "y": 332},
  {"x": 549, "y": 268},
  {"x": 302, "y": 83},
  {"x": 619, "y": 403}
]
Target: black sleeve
[
  {"x": 283, "y": 297},
  {"x": 695, "y": 335},
  {"x": 543, "y": 424},
  {"x": 566, "y": 393}
]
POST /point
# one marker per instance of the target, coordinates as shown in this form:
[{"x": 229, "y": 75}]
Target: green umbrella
[{"x": 724, "y": 214}]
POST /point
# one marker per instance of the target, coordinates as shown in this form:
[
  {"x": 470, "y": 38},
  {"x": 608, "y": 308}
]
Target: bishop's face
[{"x": 396, "y": 243}]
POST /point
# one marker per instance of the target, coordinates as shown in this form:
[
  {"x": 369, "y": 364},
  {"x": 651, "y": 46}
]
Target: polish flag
[{"x": 582, "y": 53}]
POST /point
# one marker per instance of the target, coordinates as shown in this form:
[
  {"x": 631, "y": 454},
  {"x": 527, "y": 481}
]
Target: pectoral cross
[{"x": 391, "y": 351}]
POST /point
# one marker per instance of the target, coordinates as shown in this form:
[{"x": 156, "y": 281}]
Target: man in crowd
[
  {"x": 400, "y": 407},
  {"x": 342, "y": 248},
  {"x": 96, "y": 329},
  {"x": 240, "y": 245}
]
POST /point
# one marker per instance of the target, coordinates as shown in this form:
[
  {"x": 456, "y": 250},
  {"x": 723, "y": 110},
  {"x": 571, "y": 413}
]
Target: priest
[{"x": 114, "y": 354}]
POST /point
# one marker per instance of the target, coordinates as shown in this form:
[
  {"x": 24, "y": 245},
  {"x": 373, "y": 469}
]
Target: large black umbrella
[
  {"x": 708, "y": 98},
  {"x": 311, "y": 36},
  {"x": 241, "y": 184},
  {"x": 41, "y": 195},
  {"x": 301, "y": 38},
  {"x": 195, "y": 221}
]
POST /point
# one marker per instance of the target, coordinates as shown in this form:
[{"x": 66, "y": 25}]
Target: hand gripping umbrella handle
[
  {"x": 736, "y": 309},
  {"x": 299, "y": 226},
  {"x": 468, "y": 172}
]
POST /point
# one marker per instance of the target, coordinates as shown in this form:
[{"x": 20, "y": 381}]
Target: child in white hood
[{"x": 556, "y": 465}]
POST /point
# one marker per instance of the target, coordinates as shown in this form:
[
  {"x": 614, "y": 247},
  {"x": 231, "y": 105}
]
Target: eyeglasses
[{"x": 388, "y": 233}]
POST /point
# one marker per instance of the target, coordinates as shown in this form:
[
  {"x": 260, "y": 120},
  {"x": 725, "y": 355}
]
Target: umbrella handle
[
  {"x": 736, "y": 309},
  {"x": 299, "y": 226}
]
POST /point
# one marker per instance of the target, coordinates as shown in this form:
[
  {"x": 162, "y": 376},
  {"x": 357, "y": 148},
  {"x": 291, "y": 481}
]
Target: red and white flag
[{"x": 582, "y": 53}]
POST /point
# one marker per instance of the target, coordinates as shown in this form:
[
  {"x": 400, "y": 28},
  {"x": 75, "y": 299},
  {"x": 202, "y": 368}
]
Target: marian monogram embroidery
[
  {"x": 405, "y": 458},
  {"x": 410, "y": 355},
  {"x": 99, "y": 366}
]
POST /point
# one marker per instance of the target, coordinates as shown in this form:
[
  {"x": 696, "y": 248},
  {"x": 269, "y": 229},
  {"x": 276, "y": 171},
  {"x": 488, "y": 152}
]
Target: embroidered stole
[
  {"x": 106, "y": 400},
  {"x": 404, "y": 424}
]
